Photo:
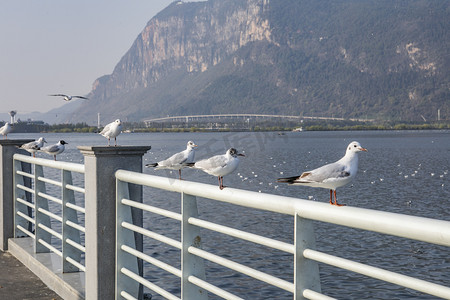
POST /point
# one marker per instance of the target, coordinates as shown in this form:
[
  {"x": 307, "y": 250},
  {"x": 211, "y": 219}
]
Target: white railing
[
  {"x": 33, "y": 216},
  {"x": 306, "y": 283}
]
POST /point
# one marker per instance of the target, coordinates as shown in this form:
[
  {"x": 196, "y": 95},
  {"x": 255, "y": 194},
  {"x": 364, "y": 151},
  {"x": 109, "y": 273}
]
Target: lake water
[{"x": 404, "y": 172}]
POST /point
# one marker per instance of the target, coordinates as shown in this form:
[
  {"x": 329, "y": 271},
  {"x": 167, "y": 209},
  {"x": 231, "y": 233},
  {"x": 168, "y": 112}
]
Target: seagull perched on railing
[
  {"x": 177, "y": 161},
  {"x": 34, "y": 146},
  {"x": 220, "y": 165},
  {"x": 333, "y": 175},
  {"x": 5, "y": 129},
  {"x": 68, "y": 97},
  {"x": 112, "y": 130},
  {"x": 54, "y": 149}
]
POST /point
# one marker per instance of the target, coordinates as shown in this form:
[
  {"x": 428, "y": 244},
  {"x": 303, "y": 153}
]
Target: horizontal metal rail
[
  {"x": 378, "y": 273},
  {"x": 50, "y": 214},
  {"x": 76, "y": 226},
  {"x": 24, "y": 188},
  {"x": 27, "y": 232},
  {"x": 26, "y": 203},
  {"x": 282, "y": 284},
  {"x": 151, "y": 260},
  {"x": 50, "y": 181},
  {"x": 76, "y": 245},
  {"x": 243, "y": 235},
  {"x": 50, "y": 247},
  {"x": 76, "y": 264},
  {"x": 153, "y": 235},
  {"x": 212, "y": 288},
  {"x": 61, "y": 165},
  {"x": 31, "y": 220},
  {"x": 149, "y": 285},
  {"x": 76, "y": 207},
  {"x": 75, "y": 188},
  {"x": 50, "y": 197},
  {"x": 149, "y": 208},
  {"x": 25, "y": 174}
]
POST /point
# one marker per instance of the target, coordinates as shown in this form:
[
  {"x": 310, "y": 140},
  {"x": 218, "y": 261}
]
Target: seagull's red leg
[
  {"x": 331, "y": 197},
  {"x": 179, "y": 173},
  {"x": 115, "y": 141},
  {"x": 335, "y": 200},
  {"x": 54, "y": 157}
]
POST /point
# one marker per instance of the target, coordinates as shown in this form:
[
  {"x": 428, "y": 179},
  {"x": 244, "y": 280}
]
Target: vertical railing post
[
  {"x": 7, "y": 149},
  {"x": 101, "y": 163},
  {"x": 190, "y": 264},
  {"x": 68, "y": 232},
  {"x": 306, "y": 271},
  {"x": 124, "y": 260},
  {"x": 40, "y": 218}
]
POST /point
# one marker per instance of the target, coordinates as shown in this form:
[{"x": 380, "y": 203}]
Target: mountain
[{"x": 384, "y": 59}]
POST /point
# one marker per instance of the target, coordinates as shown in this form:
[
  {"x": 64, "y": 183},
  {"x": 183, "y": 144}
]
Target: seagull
[
  {"x": 34, "y": 146},
  {"x": 112, "y": 130},
  {"x": 220, "y": 165},
  {"x": 5, "y": 129},
  {"x": 331, "y": 176},
  {"x": 68, "y": 97},
  {"x": 54, "y": 149},
  {"x": 178, "y": 160}
]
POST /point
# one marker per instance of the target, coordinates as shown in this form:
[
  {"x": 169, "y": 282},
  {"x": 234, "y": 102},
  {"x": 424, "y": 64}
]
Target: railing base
[{"x": 47, "y": 266}]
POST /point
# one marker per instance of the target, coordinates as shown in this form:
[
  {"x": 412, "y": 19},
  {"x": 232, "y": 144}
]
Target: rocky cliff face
[
  {"x": 347, "y": 58},
  {"x": 191, "y": 39}
]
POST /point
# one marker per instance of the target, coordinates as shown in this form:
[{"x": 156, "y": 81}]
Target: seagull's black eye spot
[{"x": 354, "y": 146}]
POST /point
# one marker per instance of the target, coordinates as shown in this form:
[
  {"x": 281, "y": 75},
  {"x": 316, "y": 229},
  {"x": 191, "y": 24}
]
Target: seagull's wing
[
  {"x": 328, "y": 172},
  {"x": 106, "y": 129},
  {"x": 218, "y": 161},
  {"x": 29, "y": 145},
  {"x": 177, "y": 158},
  {"x": 52, "y": 148},
  {"x": 81, "y": 97},
  {"x": 59, "y": 95}
]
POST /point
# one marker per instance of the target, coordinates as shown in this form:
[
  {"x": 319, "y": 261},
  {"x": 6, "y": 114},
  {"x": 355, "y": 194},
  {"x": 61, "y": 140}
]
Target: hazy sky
[{"x": 62, "y": 46}]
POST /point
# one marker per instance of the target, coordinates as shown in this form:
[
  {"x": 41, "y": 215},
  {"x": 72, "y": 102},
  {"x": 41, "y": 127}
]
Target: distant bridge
[{"x": 190, "y": 118}]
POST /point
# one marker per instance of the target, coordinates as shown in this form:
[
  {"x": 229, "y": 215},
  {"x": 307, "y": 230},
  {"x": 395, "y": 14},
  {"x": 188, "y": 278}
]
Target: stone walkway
[{"x": 18, "y": 283}]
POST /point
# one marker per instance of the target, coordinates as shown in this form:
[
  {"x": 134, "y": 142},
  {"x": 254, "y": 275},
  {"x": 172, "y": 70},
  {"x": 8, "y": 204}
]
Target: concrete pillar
[
  {"x": 7, "y": 149},
  {"x": 100, "y": 165}
]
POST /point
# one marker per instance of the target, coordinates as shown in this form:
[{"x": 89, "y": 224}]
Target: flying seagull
[
  {"x": 68, "y": 97},
  {"x": 178, "y": 160},
  {"x": 331, "y": 176},
  {"x": 220, "y": 165},
  {"x": 112, "y": 130}
]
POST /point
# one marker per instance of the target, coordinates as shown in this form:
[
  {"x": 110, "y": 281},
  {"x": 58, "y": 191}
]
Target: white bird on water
[
  {"x": 331, "y": 176},
  {"x": 112, "y": 130},
  {"x": 178, "y": 160},
  {"x": 220, "y": 165},
  {"x": 68, "y": 97},
  {"x": 5, "y": 129},
  {"x": 54, "y": 149},
  {"x": 34, "y": 146}
]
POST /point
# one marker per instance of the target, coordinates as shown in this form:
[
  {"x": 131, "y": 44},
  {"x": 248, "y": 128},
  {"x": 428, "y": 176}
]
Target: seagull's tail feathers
[
  {"x": 151, "y": 165},
  {"x": 190, "y": 165},
  {"x": 289, "y": 180}
]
